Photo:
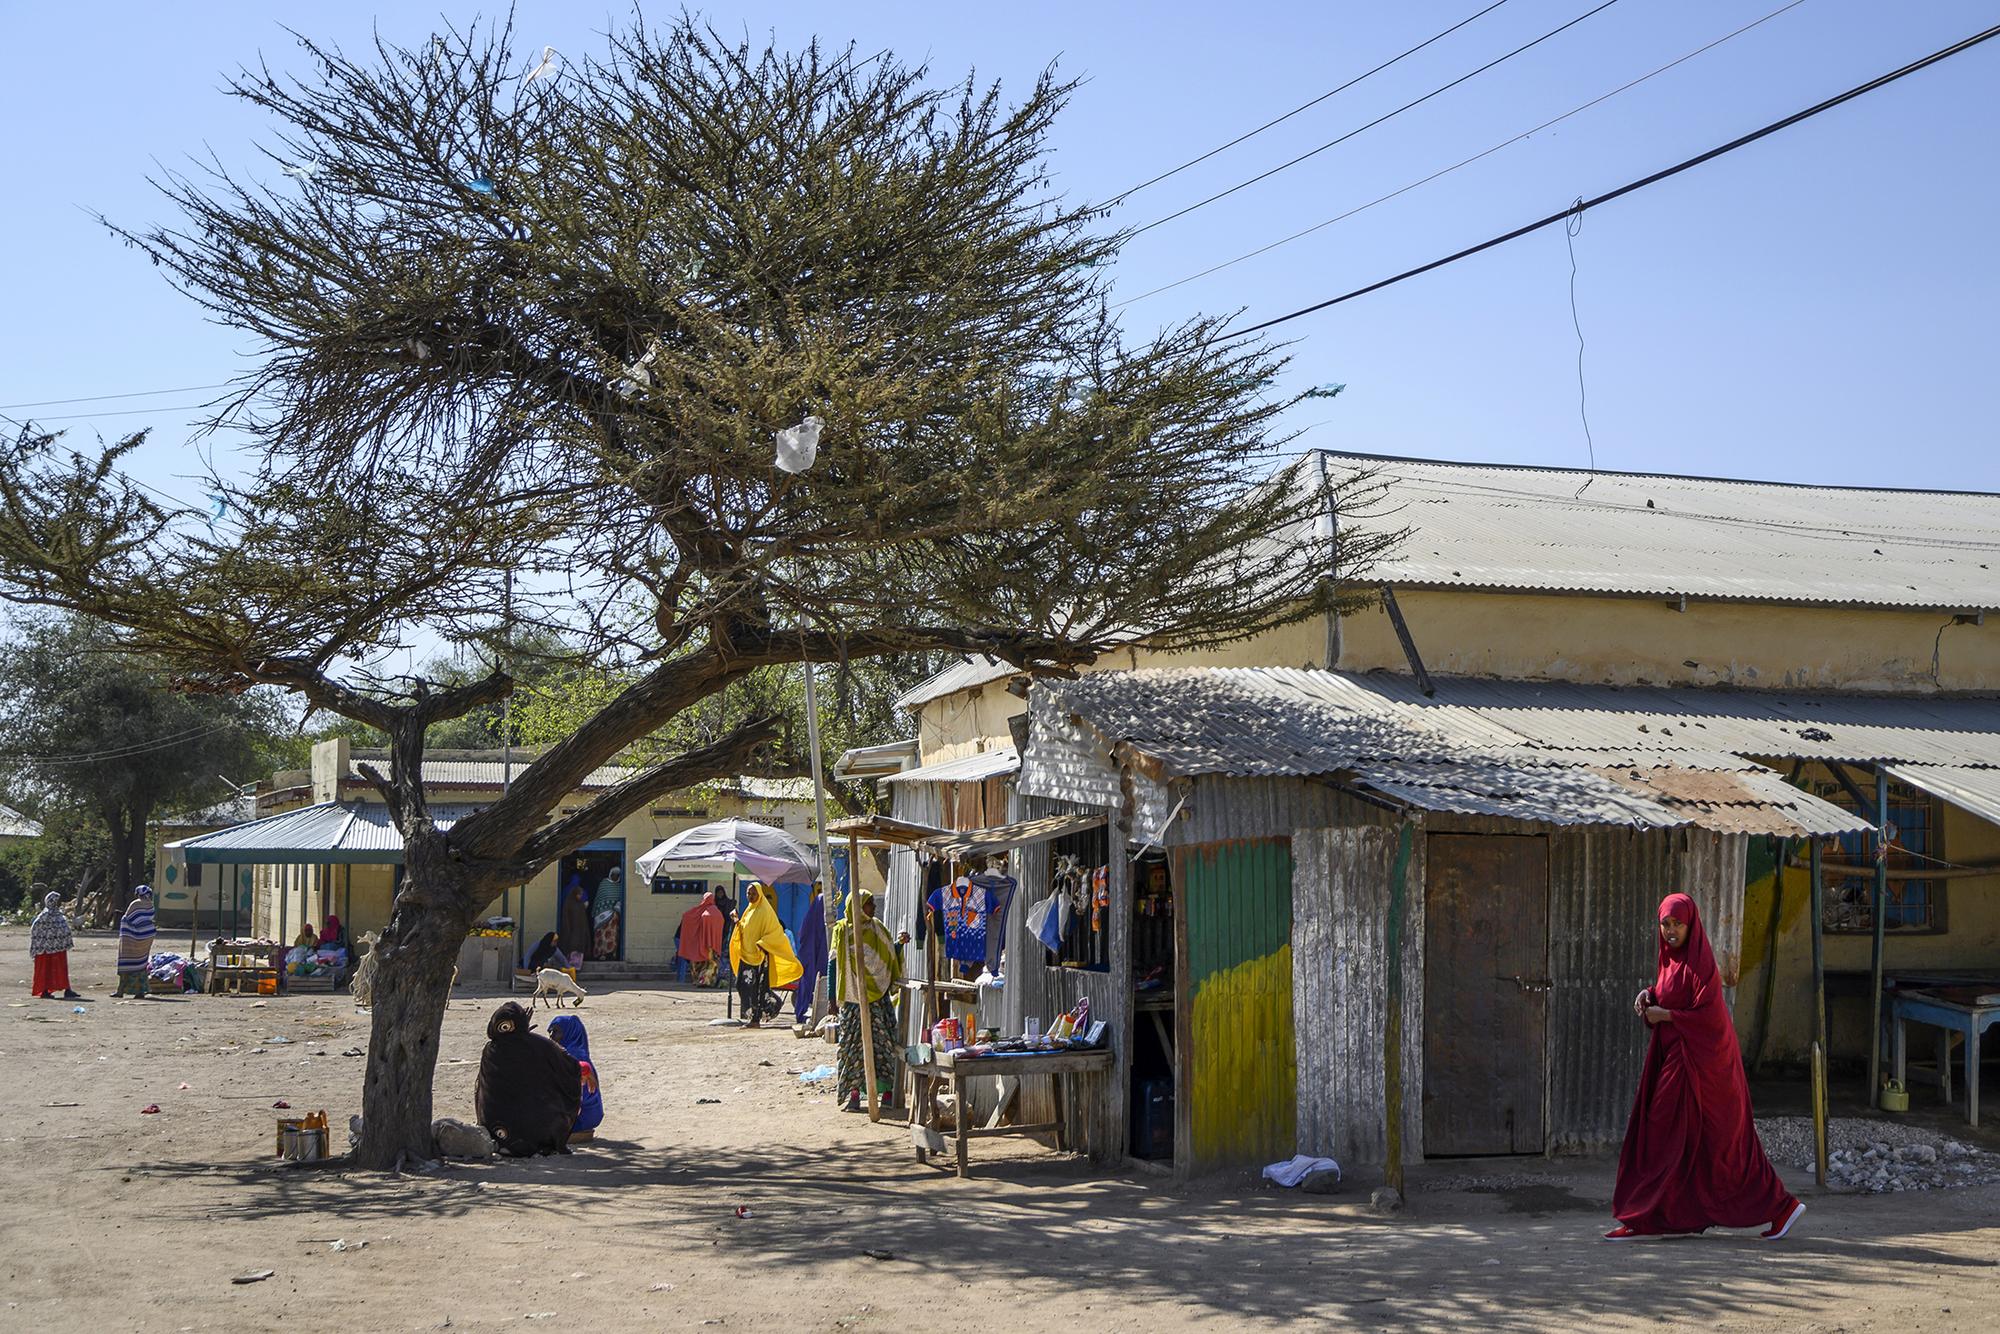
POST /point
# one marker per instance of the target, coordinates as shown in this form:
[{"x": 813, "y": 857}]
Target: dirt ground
[{"x": 120, "y": 1221}]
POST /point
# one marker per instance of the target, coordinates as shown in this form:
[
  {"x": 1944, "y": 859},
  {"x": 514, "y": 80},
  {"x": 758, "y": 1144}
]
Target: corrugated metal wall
[
  {"x": 1239, "y": 1098},
  {"x": 1231, "y": 808},
  {"x": 1604, "y": 886},
  {"x": 1341, "y": 906}
]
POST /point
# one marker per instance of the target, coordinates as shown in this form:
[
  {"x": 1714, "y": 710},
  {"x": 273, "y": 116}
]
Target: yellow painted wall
[
  {"x": 1636, "y": 641},
  {"x": 1600, "y": 640}
]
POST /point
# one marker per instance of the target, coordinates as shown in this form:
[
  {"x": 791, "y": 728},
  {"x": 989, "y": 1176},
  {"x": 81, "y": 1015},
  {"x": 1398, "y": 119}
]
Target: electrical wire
[
  {"x": 1464, "y": 162},
  {"x": 99, "y": 398},
  {"x": 1122, "y": 196},
  {"x": 1286, "y": 166},
  {"x": 167, "y": 742},
  {"x": 122, "y": 412},
  {"x": 1572, "y": 226},
  {"x": 1858, "y": 90}
]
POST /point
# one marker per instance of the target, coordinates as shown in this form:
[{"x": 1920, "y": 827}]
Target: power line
[
  {"x": 1303, "y": 106},
  {"x": 99, "y": 398},
  {"x": 1464, "y": 162},
  {"x": 1285, "y": 166},
  {"x": 1658, "y": 176},
  {"x": 122, "y": 412},
  {"x": 181, "y": 738}
]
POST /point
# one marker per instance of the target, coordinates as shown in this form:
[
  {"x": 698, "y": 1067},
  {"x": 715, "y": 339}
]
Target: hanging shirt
[{"x": 966, "y": 906}]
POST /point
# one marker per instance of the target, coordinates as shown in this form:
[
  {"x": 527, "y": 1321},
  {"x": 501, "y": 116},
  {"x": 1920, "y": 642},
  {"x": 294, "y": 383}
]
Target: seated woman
[
  {"x": 530, "y": 1090},
  {"x": 567, "y": 1030},
  {"x": 548, "y": 953}
]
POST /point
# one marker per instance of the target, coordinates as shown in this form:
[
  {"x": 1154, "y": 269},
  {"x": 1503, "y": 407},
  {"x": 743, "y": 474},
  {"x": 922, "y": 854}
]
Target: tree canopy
[{"x": 526, "y": 345}]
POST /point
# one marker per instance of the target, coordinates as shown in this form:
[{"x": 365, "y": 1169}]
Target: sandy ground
[{"x": 119, "y": 1221}]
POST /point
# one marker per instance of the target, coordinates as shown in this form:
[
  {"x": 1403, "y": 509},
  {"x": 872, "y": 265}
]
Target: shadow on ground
[{"x": 1222, "y": 1247}]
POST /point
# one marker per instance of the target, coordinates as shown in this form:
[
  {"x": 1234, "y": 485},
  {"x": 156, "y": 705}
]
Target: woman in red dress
[{"x": 1691, "y": 1159}]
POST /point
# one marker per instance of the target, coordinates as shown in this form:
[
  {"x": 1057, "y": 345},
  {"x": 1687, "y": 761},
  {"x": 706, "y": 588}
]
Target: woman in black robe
[{"x": 529, "y": 1089}]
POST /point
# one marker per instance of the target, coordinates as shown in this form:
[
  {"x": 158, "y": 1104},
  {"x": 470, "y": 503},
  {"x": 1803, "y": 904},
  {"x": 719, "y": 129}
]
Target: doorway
[
  {"x": 600, "y": 868},
  {"x": 1486, "y": 994}
]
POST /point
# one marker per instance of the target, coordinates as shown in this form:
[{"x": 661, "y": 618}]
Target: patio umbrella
[{"x": 771, "y": 855}]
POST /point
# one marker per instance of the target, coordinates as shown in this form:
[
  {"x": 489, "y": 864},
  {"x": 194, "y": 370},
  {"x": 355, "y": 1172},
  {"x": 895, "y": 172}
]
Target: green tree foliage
[
  {"x": 541, "y": 334},
  {"x": 85, "y": 727}
]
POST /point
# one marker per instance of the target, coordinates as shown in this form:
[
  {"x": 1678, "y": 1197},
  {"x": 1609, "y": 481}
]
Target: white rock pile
[{"x": 1880, "y": 1156}]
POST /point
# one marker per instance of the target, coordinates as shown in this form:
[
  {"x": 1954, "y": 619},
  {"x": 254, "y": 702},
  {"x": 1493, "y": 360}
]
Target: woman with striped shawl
[
  {"x": 881, "y": 969},
  {"x": 136, "y": 930}
]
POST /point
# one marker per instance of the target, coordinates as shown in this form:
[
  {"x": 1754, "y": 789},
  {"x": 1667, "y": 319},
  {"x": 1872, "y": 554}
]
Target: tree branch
[{"x": 726, "y": 756}]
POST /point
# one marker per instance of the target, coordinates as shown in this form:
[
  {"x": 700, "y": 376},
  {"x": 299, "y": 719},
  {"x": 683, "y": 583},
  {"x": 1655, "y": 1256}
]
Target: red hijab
[{"x": 1687, "y": 975}]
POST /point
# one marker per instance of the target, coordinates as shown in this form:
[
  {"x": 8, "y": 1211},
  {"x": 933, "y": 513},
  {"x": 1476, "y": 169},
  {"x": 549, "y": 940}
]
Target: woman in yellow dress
[{"x": 761, "y": 955}]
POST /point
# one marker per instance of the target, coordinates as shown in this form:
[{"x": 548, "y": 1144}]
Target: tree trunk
[{"x": 415, "y": 956}]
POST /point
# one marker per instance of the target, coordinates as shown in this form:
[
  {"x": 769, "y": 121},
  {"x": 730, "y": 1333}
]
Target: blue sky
[{"x": 1818, "y": 308}]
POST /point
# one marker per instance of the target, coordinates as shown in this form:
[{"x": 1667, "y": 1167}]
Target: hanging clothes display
[{"x": 965, "y": 906}]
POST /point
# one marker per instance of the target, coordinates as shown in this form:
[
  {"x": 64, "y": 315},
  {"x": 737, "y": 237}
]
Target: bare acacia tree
[{"x": 544, "y": 329}]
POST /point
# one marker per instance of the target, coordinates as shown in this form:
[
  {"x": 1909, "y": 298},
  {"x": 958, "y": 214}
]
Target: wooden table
[
  {"x": 1949, "y": 1010},
  {"x": 1093, "y": 1064}
]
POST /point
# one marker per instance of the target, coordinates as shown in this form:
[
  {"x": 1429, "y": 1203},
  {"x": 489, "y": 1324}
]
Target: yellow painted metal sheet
[{"x": 1243, "y": 1074}]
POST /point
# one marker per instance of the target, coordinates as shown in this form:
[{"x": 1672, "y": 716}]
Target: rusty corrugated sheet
[
  {"x": 1341, "y": 883},
  {"x": 1239, "y": 1097}
]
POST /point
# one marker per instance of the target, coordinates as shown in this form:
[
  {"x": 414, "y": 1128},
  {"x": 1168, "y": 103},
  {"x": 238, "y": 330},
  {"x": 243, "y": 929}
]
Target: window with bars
[{"x": 1911, "y": 907}]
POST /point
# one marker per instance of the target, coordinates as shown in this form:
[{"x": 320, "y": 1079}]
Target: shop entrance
[
  {"x": 1486, "y": 993},
  {"x": 593, "y": 866}
]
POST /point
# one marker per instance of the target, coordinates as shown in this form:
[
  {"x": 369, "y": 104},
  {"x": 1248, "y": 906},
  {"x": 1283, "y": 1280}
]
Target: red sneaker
[
  {"x": 1622, "y": 1233},
  {"x": 1783, "y": 1225}
]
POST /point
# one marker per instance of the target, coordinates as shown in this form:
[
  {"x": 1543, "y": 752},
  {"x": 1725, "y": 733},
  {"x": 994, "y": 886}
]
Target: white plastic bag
[{"x": 798, "y": 445}]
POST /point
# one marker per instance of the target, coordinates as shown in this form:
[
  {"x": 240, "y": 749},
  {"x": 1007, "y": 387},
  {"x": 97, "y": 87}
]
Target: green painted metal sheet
[{"x": 1243, "y": 1073}]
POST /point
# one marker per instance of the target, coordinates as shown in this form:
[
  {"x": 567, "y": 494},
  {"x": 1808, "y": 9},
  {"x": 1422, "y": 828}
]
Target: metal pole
[
  {"x": 1819, "y": 1051},
  {"x": 819, "y": 820},
  {"x": 1875, "y": 955}
]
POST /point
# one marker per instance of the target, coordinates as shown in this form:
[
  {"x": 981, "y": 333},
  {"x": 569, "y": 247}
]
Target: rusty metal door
[{"x": 1486, "y": 983}]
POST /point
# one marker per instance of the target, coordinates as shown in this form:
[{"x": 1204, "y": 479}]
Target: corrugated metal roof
[
  {"x": 1567, "y": 768},
  {"x": 13, "y": 824},
  {"x": 976, "y": 671},
  {"x": 1975, "y": 790},
  {"x": 1487, "y": 526},
  {"x": 965, "y": 769},
  {"x": 1251, "y": 721},
  {"x": 331, "y": 832},
  {"x": 491, "y": 773}
]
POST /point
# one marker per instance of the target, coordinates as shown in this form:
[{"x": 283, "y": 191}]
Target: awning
[
  {"x": 965, "y": 769},
  {"x": 966, "y": 843},
  {"x": 882, "y": 829},
  {"x": 357, "y": 833},
  {"x": 875, "y": 761},
  {"x": 1969, "y": 789}
]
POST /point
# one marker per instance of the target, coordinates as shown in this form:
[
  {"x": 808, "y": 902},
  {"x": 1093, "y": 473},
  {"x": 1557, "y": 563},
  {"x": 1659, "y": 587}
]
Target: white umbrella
[{"x": 771, "y": 855}]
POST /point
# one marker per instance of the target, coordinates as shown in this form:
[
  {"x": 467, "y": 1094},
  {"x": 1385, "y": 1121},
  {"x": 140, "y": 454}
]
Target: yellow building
[{"x": 1707, "y": 644}]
